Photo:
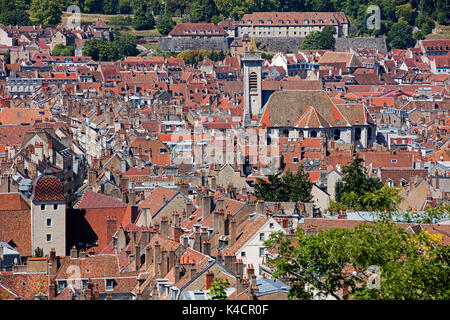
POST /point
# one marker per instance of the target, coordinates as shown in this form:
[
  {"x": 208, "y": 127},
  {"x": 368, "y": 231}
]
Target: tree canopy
[
  {"x": 319, "y": 40},
  {"x": 405, "y": 265},
  {"x": 287, "y": 187}
]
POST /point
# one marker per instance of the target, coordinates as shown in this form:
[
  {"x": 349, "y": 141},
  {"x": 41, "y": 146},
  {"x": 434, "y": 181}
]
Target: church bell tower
[{"x": 252, "y": 63}]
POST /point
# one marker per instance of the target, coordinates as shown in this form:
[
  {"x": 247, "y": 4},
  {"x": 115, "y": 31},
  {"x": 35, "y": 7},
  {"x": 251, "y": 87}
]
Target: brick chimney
[
  {"x": 137, "y": 256},
  {"x": 177, "y": 233},
  {"x": 111, "y": 227},
  {"x": 177, "y": 271},
  {"x": 52, "y": 263},
  {"x": 82, "y": 253},
  {"x": 209, "y": 279},
  {"x": 51, "y": 290},
  {"x": 232, "y": 232},
  {"x": 148, "y": 256},
  {"x": 164, "y": 263}
]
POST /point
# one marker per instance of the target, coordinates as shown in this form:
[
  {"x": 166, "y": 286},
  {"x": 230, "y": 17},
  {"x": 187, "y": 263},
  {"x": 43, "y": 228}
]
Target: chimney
[
  {"x": 240, "y": 268},
  {"x": 206, "y": 205},
  {"x": 148, "y": 257},
  {"x": 232, "y": 232},
  {"x": 177, "y": 273},
  {"x": 73, "y": 253},
  {"x": 51, "y": 290},
  {"x": 198, "y": 241},
  {"x": 82, "y": 253},
  {"x": 99, "y": 112},
  {"x": 230, "y": 261},
  {"x": 206, "y": 248},
  {"x": 260, "y": 206},
  {"x": 157, "y": 254},
  {"x": 137, "y": 257},
  {"x": 189, "y": 208},
  {"x": 164, "y": 232},
  {"x": 184, "y": 188},
  {"x": 177, "y": 233},
  {"x": 171, "y": 258},
  {"x": 213, "y": 183},
  {"x": 111, "y": 227},
  {"x": 209, "y": 279},
  {"x": 185, "y": 241},
  {"x": 52, "y": 262},
  {"x": 220, "y": 204}
]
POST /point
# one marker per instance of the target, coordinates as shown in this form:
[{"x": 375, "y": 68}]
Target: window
[
  {"x": 295, "y": 160},
  {"x": 83, "y": 284},
  {"x": 393, "y": 160},
  {"x": 42, "y": 206},
  {"x": 291, "y": 148},
  {"x": 49, "y": 222},
  {"x": 243, "y": 254},
  {"x": 55, "y": 206},
  {"x": 49, "y": 237},
  {"x": 61, "y": 285},
  {"x": 261, "y": 236},
  {"x": 271, "y": 225},
  {"x": 285, "y": 147},
  {"x": 261, "y": 252},
  {"x": 109, "y": 284}
]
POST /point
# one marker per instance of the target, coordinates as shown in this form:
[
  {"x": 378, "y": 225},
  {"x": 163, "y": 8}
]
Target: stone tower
[
  {"x": 252, "y": 63},
  {"x": 48, "y": 214}
]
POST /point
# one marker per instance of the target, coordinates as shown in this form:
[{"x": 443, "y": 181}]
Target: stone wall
[
  {"x": 182, "y": 44},
  {"x": 344, "y": 44},
  {"x": 280, "y": 44}
]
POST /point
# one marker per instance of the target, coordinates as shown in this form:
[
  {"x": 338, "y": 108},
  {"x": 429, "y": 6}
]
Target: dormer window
[
  {"x": 269, "y": 21},
  {"x": 249, "y": 21},
  {"x": 305, "y": 21},
  {"x": 296, "y": 21},
  {"x": 288, "y": 21},
  {"x": 280, "y": 21},
  {"x": 313, "y": 21},
  {"x": 320, "y": 21},
  {"x": 261, "y": 21}
]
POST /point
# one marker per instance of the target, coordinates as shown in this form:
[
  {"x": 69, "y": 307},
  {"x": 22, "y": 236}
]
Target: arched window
[
  {"x": 253, "y": 81},
  {"x": 313, "y": 134}
]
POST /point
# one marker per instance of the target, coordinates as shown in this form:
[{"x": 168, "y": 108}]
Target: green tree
[
  {"x": 110, "y": 6},
  {"x": 38, "y": 252},
  {"x": 298, "y": 186},
  {"x": 319, "y": 40},
  {"x": 46, "y": 12},
  {"x": 120, "y": 22},
  {"x": 405, "y": 11},
  {"x": 124, "y": 7},
  {"x": 203, "y": 11},
  {"x": 400, "y": 35},
  {"x": 125, "y": 45},
  {"x": 217, "y": 289},
  {"x": 272, "y": 190},
  {"x": 412, "y": 266},
  {"x": 62, "y": 50},
  {"x": 165, "y": 24},
  {"x": 143, "y": 21}
]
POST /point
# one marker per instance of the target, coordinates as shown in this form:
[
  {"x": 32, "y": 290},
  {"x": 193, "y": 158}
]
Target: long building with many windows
[{"x": 291, "y": 24}]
